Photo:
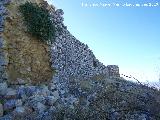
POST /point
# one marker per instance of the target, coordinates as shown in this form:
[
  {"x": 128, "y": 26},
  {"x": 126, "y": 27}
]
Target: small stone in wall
[
  {"x": 1, "y": 43},
  {"x": 5, "y": 76},
  {"x": 28, "y": 69},
  {"x": 19, "y": 112},
  {"x": 24, "y": 92},
  {"x": 5, "y": 2},
  {"x": 2, "y": 10},
  {"x": 9, "y": 105},
  {"x": 1, "y": 110},
  {"x": 21, "y": 81},
  {"x": 21, "y": 93},
  {"x": 1, "y": 29},
  {"x": 50, "y": 100},
  {"x": 56, "y": 94},
  {"x": 40, "y": 107},
  {"x": 3, "y": 61},
  {"x": 44, "y": 91},
  {"x": 3, "y": 88},
  {"x": 51, "y": 87},
  {"x": 11, "y": 93},
  {"x": 52, "y": 109},
  {"x": 18, "y": 103}
]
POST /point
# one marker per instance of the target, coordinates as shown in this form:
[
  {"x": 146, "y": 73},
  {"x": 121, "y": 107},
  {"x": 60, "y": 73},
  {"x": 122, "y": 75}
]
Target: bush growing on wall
[{"x": 38, "y": 21}]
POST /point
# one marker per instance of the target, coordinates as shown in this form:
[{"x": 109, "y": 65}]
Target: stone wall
[
  {"x": 82, "y": 86},
  {"x": 3, "y": 51},
  {"x": 73, "y": 60},
  {"x": 28, "y": 58},
  {"x": 25, "y": 60}
]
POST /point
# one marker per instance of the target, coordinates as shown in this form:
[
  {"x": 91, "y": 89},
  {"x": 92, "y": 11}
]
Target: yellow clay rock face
[{"x": 28, "y": 56}]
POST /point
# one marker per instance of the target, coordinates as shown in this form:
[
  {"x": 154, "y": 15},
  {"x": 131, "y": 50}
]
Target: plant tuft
[{"x": 38, "y": 21}]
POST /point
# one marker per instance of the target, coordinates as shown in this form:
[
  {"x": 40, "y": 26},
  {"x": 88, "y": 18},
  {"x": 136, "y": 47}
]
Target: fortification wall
[
  {"x": 26, "y": 63},
  {"x": 74, "y": 62}
]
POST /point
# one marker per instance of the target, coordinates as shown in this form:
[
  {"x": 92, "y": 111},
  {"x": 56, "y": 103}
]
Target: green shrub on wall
[{"x": 38, "y": 21}]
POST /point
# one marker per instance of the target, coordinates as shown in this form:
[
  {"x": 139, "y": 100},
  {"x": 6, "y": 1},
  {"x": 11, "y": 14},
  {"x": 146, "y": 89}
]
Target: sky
[{"x": 119, "y": 32}]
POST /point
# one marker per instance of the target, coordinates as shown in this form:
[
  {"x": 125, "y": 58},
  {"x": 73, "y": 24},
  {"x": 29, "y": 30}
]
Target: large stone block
[{"x": 113, "y": 71}]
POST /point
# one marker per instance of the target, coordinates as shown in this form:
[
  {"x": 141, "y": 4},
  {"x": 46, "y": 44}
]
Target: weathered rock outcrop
[
  {"x": 27, "y": 59},
  {"x": 81, "y": 87}
]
